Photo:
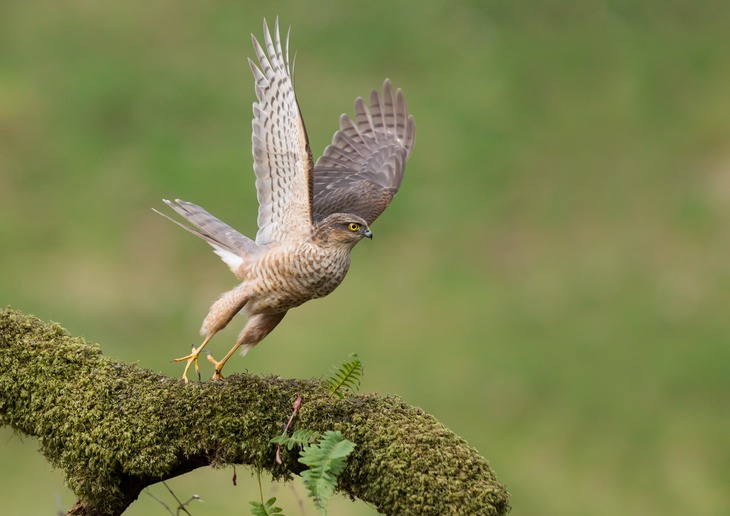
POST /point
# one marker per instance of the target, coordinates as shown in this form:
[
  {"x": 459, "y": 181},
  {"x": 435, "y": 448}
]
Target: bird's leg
[
  {"x": 219, "y": 315},
  {"x": 257, "y": 327},
  {"x": 193, "y": 357}
]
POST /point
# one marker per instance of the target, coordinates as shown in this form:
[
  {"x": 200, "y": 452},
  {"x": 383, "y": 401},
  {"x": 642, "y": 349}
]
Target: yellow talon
[
  {"x": 193, "y": 358},
  {"x": 218, "y": 366}
]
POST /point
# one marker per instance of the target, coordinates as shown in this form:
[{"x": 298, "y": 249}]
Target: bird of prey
[{"x": 310, "y": 215}]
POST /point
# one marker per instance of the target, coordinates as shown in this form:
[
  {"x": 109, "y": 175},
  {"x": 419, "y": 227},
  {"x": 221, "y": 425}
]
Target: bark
[{"x": 115, "y": 428}]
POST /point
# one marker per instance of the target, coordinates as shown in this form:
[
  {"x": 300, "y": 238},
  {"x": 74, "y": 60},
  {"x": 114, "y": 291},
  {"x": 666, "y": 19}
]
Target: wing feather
[
  {"x": 362, "y": 169},
  {"x": 282, "y": 159}
]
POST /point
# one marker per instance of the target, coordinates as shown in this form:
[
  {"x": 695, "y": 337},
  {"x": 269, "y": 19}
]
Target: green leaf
[
  {"x": 266, "y": 509},
  {"x": 299, "y": 438},
  {"x": 345, "y": 377},
  {"x": 326, "y": 460}
]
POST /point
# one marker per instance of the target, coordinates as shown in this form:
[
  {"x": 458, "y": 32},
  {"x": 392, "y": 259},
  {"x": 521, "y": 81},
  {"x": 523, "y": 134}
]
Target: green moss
[{"x": 114, "y": 428}]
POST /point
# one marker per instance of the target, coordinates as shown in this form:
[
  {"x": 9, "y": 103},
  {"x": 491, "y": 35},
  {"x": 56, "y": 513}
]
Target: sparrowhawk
[{"x": 310, "y": 216}]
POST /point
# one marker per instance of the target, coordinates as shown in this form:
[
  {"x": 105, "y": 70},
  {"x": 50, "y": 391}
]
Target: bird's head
[{"x": 342, "y": 229}]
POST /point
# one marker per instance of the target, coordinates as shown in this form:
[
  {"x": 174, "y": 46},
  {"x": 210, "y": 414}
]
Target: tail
[{"x": 234, "y": 248}]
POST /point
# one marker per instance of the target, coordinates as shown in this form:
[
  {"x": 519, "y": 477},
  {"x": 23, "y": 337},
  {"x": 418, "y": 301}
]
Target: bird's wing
[
  {"x": 282, "y": 159},
  {"x": 362, "y": 169},
  {"x": 234, "y": 248}
]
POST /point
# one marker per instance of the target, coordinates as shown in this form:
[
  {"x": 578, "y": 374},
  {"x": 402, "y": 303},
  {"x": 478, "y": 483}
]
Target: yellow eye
[{"x": 354, "y": 226}]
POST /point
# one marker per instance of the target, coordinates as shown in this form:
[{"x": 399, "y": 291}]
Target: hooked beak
[{"x": 367, "y": 233}]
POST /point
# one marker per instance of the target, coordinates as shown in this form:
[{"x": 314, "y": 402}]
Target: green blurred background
[{"x": 552, "y": 282}]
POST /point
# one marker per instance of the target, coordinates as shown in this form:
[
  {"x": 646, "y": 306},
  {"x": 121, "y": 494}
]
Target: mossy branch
[{"x": 115, "y": 428}]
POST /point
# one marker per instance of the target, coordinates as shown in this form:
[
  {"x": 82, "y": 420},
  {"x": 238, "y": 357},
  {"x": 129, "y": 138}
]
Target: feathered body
[
  {"x": 310, "y": 216},
  {"x": 290, "y": 275}
]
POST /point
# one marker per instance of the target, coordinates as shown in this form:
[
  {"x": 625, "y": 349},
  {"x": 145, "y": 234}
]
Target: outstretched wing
[
  {"x": 234, "y": 248},
  {"x": 362, "y": 169},
  {"x": 282, "y": 159}
]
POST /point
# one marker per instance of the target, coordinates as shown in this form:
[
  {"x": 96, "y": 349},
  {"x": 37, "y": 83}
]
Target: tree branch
[{"x": 115, "y": 428}]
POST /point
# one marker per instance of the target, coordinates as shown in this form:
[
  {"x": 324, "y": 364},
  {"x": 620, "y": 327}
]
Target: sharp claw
[
  {"x": 193, "y": 358},
  {"x": 190, "y": 359},
  {"x": 217, "y": 371}
]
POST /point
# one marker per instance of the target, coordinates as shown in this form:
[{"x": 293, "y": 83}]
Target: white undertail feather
[{"x": 231, "y": 259}]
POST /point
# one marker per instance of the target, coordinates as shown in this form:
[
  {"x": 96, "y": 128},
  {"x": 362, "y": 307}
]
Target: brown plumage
[{"x": 310, "y": 216}]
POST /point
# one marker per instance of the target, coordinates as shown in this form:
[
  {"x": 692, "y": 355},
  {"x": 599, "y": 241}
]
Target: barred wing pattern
[
  {"x": 362, "y": 169},
  {"x": 282, "y": 159}
]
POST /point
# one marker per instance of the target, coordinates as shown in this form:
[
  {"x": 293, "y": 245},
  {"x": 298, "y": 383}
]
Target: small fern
[
  {"x": 326, "y": 455},
  {"x": 267, "y": 508},
  {"x": 345, "y": 377},
  {"x": 326, "y": 460},
  {"x": 301, "y": 438}
]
